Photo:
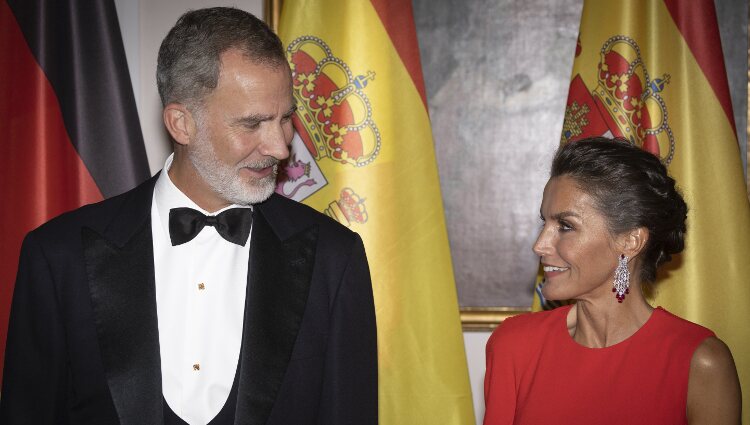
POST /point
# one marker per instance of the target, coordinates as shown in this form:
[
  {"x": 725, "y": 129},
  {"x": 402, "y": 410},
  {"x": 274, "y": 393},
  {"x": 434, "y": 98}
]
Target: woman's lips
[{"x": 552, "y": 271}]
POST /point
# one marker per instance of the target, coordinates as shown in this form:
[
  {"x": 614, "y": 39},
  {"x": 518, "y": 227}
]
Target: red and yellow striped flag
[
  {"x": 364, "y": 155},
  {"x": 653, "y": 72}
]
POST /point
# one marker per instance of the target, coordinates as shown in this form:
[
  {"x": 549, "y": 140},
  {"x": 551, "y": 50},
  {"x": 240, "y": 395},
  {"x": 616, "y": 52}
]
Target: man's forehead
[{"x": 237, "y": 57}]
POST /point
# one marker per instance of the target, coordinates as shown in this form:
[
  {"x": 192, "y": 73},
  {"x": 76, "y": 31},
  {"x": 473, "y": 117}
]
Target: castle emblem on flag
[{"x": 626, "y": 102}]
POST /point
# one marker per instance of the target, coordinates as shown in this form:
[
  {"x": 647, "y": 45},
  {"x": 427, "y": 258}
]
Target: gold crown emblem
[
  {"x": 334, "y": 116},
  {"x": 350, "y": 208},
  {"x": 633, "y": 99}
]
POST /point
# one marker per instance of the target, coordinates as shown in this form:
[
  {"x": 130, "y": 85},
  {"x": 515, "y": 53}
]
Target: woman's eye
[{"x": 564, "y": 227}]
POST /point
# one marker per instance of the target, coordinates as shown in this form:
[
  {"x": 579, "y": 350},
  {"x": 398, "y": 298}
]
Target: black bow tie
[{"x": 233, "y": 224}]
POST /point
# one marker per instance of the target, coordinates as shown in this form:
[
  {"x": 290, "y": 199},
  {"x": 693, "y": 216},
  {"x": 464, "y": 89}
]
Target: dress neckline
[{"x": 640, "y": 333}]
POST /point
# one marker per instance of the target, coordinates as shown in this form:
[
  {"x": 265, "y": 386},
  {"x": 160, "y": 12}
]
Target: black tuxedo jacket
[{"x": 83, "y": 343}]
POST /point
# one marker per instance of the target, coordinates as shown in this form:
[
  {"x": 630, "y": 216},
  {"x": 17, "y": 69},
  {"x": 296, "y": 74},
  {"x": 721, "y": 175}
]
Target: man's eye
[{"x": 254, "y": 125}]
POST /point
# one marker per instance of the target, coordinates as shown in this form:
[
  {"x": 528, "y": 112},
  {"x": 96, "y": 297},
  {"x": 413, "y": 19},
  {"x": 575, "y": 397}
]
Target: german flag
[{"x": 69, "y": 127}]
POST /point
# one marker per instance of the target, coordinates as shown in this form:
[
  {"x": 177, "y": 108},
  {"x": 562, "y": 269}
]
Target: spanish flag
[
  {"x": 364, "y": 155},
  {"x": 69, "y": 130},
  {"x": 653, "y": 72}
]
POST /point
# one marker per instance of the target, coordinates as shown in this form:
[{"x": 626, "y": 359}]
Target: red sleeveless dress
[{"x": 537, "y": 374}]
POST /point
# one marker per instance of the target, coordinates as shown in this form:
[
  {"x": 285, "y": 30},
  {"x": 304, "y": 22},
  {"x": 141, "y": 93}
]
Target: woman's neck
[{"x": 603, "y": 323}]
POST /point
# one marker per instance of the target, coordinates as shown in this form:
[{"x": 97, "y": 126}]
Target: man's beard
[{"x": 225, "y": 179}]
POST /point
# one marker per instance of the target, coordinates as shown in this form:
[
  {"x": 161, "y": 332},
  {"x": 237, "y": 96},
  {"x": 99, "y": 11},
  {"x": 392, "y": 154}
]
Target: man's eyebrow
[
  {"x": 291, "y": 111},
  {"x": 254, "y": 119}
]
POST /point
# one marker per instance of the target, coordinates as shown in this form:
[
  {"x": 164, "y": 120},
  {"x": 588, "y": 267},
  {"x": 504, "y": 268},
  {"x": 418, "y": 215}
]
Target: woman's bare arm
[{"x": 713, "y": 389}]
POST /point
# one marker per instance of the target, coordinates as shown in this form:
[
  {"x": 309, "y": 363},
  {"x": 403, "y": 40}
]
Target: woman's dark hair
[{"x": 631, "y": 188}]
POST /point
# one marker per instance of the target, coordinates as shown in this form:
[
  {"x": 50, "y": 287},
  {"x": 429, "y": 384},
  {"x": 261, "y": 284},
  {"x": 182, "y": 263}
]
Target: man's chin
[
  {"x": 263, "y": 196},
  {"x": 256, "y": 192}
]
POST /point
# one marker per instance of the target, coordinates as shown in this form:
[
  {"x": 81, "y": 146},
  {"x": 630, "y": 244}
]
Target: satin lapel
[
  {"x": 120, "y": 271},
  {"x": 278, "y": 285}
]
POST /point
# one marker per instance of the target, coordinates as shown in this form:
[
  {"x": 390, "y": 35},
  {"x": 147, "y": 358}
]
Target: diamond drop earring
[{"x": 622, "y": 279}]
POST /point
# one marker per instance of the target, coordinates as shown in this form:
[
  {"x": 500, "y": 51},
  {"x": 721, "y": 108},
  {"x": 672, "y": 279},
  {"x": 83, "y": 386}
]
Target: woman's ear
[
  {"x": 632, "y": 242},
  {"x": 179, "y": 122}
]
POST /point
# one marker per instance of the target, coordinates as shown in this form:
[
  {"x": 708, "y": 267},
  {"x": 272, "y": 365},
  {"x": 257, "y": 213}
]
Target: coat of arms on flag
[
  {"x": 626, "y": 102},
  {"x": 333, "y": 123}
]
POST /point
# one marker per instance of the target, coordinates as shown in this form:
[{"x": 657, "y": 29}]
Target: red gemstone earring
[{"x": 622, "y": 279}]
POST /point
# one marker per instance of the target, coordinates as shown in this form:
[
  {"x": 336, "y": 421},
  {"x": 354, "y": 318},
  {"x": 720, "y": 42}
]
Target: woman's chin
[{"x": 550, "y": 294}]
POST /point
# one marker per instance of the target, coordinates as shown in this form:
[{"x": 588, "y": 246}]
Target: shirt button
[
  {"x": 201, "y": 286},
  {"x": 197, "y": 367}
]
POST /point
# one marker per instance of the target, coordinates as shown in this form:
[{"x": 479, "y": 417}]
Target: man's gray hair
[{"x": 189, "y": 57}]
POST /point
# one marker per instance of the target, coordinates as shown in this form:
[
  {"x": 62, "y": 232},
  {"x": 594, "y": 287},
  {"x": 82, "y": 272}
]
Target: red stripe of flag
[
  {"x": 41, "y": 173},
  {"x": 696, "y": 20},
  {"x": 398, "y": 19}
]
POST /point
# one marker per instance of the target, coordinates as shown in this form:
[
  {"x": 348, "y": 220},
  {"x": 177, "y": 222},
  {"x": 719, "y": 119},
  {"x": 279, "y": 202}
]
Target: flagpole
[{"x": 271, "y": 13}]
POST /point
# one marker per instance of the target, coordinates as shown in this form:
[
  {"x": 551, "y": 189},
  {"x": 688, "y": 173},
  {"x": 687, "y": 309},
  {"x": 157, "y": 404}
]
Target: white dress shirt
[{"x": 200, "y": 303}]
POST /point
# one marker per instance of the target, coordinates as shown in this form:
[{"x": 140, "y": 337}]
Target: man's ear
[
  {"x": 633, "y": 241},
  {"x": 179, "y": 122}
]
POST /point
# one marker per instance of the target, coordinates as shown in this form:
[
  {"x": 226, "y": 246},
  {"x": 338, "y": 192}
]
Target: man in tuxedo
[{"x": 199, "y": 296}]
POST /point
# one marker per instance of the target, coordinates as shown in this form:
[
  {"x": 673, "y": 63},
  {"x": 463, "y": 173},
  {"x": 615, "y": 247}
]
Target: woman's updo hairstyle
[{"x": 631, "y": 188}]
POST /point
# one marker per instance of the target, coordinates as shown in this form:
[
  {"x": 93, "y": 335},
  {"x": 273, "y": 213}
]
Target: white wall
[
  {"x": 144, "y": 23},
  {"x": 474, "y": 343}
]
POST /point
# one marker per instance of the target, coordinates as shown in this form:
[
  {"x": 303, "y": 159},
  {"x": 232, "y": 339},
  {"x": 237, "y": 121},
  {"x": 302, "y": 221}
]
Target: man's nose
[{"x": 276, "y": 143}]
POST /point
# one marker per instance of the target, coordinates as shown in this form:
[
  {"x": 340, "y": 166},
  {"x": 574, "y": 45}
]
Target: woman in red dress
[{"x": 611, "y": 215}]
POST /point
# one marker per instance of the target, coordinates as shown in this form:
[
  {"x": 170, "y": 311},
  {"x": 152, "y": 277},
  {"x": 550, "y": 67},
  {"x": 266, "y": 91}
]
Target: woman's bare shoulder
[{"x": 713, "y": 389}]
